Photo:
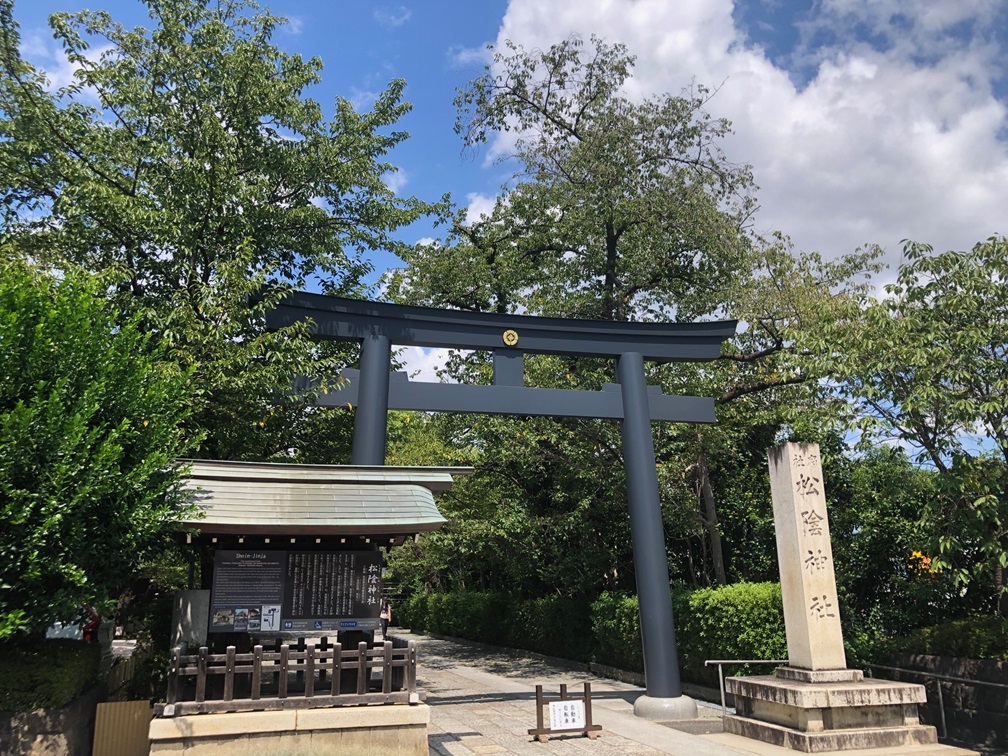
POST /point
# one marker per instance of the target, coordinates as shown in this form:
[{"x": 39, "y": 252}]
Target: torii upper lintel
[{"x": 379, "y": 325}]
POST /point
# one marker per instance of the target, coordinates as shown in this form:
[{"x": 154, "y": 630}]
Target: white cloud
[
  {"x": 392, "y": 15},
  {"x": 46, "y": 55},
  {"x": 480, "y": 205},
  {"x": 396, "y": 180},
  {"x": 422, "y": 364},
  {"x": 873, "y": 144}
]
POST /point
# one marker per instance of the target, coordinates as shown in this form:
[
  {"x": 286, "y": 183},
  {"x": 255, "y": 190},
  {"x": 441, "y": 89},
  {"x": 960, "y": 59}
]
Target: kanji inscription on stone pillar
[{"x": 805, "y": 556}]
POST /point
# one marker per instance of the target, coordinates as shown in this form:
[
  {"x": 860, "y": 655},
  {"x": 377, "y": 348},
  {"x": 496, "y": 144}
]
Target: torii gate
[{"x": 373, "y": 391}]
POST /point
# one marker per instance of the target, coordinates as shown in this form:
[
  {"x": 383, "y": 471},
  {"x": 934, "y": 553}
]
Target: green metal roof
[{"x": 244, "y": 498}]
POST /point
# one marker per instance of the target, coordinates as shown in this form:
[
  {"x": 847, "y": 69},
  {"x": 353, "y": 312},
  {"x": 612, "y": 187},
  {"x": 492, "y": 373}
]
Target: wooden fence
[{"x": 290, "y": 677}]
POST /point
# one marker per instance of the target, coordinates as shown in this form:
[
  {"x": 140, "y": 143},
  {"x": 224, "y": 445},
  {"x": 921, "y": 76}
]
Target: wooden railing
[{"x": 290, "y": 677}]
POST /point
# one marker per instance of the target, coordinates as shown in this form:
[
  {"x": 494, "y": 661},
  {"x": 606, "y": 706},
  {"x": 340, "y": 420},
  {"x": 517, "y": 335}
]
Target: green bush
[
  {"x": 45, "y": 674},
  {"x": 615, "y": 626},
  {"x": 742, "y": 621},
  {"x": 971, "y": 638},
  {"x": 739, "y": 621},
  {"x": 551, "y": 625}
]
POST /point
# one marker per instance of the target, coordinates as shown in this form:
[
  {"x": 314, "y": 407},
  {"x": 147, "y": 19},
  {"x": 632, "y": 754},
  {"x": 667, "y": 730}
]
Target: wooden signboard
[{"x": 567, "y": 715}]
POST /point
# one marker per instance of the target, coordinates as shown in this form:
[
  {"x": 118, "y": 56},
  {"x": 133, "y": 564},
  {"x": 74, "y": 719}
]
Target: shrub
[
  {"x": 971, "y": 638},
  {"x": 615, "y": 626},
  {"x": 45, "y": 674},
  {"x": 740, "y": 621}
]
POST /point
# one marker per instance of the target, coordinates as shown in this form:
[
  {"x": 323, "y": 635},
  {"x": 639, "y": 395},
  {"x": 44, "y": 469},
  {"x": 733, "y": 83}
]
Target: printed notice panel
[
  {"x": 567, "y": 715},
  {"x": 277, "y": 591}
]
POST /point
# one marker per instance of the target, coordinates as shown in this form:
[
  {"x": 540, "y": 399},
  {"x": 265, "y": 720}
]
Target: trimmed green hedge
[
  {"x": 971, "y": 638},
  {"x": 552, "y": 625},
  {"x": 46, "y": 674},
  {"x": 742, "y": 621}
]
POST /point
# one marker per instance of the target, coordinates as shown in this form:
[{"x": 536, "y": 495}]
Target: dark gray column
[
  {"x": 371, "y": 418},
  {"x": 661, "y": 660}
]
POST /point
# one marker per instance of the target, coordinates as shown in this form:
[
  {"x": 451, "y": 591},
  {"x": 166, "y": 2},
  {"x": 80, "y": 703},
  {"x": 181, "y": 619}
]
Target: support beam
[
  {"x": 371, "y": 419},
  {"x": 661, "y": 661}
]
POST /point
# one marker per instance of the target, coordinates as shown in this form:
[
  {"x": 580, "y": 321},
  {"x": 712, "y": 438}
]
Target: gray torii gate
[{"x": 373, "y": 391}]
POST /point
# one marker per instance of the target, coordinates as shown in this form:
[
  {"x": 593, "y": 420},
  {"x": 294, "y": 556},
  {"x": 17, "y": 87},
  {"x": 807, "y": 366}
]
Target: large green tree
[
  {"x": 927, "y": 365},
  {"x": 92, "y": 420},
  {"x": 620, "y": 209},
  {"x": 188, "y": 156}
]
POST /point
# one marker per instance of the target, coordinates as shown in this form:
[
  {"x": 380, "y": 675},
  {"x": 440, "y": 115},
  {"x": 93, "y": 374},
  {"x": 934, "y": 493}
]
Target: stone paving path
[{"x": 483, "y": 702}]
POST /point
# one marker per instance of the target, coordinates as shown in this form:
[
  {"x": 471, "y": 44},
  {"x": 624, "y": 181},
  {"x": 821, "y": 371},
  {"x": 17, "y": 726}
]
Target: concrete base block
[
  {"x": 819, "y": 675},
  {"x": 831, "y": 715},
  {"x": 834, "y": 740},
  {"x": 665, "y": 709},
  {"x": 342, "y": 731}
]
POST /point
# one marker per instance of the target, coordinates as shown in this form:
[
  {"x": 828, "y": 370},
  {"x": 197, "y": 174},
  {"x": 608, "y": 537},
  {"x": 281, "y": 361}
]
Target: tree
[
  {"x": 928, "y": 367},
  {"x": 92, "y": 421},
  {"x": 618, "y": 209},
  {"x": 188, "y": 157},
  {"x": 626, "y": 210}
]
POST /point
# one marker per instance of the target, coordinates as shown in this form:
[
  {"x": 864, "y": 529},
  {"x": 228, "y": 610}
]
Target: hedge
[
  {"x": 971, "y": 638},
  {"x": 45, "y": 674},
  {"x": 741, "y": 621},
  {"x": 551, "y": 625}
]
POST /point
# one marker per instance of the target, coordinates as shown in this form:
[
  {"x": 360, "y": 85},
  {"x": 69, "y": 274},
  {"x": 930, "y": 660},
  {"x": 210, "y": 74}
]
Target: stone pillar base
[
  {"x": 665, "y": 709},
  {"x": 341, "y": 731},
  {"x": 841, "y": 712}
]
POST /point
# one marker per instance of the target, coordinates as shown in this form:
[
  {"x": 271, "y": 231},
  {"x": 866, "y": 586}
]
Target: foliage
[
  {"x": 615, "y": 620},
  {"x": 92, "y": 421},
  {"x": 45, "y": 673},
  {"x": 550, "y": 625},
  {"x": 970, "y": 638},
  {"x": 617, "y": 208},
  {"x": 740, "y": 621},
  {"x": 620, "y": 209},
  {"x": 187, "y": 157},
  {"x": 928, "y": 367}
]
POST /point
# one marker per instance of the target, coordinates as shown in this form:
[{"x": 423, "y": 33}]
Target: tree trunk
[{"x": 710, "y": 519}]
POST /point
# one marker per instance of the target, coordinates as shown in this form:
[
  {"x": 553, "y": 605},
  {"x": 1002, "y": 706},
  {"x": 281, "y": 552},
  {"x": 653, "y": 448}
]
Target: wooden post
[
  {"x": 337, "y": 668},
  {"x": 309, "y": 676},
  {"x": 284, "y": 664},
  {"x": 229, "y": 669},
  {"x": 201, "y": 675},
  {"x": 362, "y": 668},
  {"x": 173, "y": 675},
  {"x": 257, "y": 654},
  {"x": 387, "y": 669}
]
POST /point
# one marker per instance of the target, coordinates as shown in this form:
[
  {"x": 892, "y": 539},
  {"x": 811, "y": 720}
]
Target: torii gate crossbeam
[{"x": 373, "y": 391}]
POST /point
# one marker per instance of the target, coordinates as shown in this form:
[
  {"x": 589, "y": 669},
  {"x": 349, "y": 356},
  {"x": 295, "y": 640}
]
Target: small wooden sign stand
[{"x": 542, "y": 732}]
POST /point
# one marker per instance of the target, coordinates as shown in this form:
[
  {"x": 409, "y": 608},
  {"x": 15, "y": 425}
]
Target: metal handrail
[
  {"x": 720, "y": 672},
  {"x": 939, "y": 679}
]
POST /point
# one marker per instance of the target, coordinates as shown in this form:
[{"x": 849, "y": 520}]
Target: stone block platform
[{"x": 835, "y": 710}]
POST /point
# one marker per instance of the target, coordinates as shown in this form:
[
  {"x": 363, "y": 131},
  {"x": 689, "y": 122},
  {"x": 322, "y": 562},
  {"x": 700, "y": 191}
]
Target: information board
[{"x": 294, "y": 591}]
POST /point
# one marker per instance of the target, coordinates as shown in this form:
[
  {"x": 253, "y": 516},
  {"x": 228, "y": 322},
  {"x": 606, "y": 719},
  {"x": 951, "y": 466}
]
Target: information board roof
[{"x": 243, "y": 498}]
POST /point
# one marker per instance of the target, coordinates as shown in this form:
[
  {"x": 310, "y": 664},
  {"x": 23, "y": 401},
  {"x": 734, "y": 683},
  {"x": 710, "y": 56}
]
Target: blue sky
[{"x": 866, "y": 121}]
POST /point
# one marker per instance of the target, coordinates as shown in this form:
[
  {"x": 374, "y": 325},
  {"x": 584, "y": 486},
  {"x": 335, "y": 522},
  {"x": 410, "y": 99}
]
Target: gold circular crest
[{"x": 510, "y": 337}]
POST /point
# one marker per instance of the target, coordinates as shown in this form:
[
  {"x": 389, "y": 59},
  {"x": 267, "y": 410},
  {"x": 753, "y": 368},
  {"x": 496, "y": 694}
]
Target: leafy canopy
[
  {"x": 189, "y": 158},
  {"x": 92, "y": 421}
]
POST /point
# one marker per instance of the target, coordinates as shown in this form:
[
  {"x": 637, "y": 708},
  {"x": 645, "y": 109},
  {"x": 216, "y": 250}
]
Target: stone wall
[
  {"x": 52, "y": 732},
  {"x": 340, "y": 731},
  {"x": 973, "y": 714}
]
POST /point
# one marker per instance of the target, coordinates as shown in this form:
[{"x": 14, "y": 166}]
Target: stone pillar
[
  {"x": 815, "y": 703},
  {"x": 808, "y": 582}
]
